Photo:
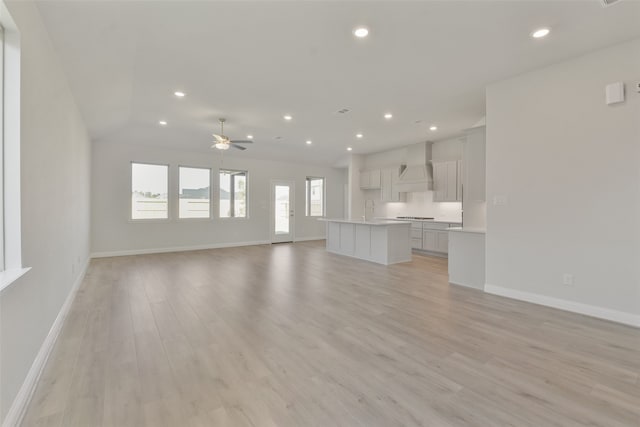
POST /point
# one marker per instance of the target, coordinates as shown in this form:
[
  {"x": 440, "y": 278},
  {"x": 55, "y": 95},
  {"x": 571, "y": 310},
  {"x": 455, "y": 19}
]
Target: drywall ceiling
[{"x": 252, "y": 62}]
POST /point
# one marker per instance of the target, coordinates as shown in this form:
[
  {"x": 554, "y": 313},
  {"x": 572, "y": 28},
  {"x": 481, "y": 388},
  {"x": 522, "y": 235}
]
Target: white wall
[
  {"x": 55, "y": 164},
  {"x": 112, "y": 232},
  {"x": 569, "y": 166}
]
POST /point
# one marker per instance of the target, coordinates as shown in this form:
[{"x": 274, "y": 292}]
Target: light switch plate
[{"x": 500, "y": 200}]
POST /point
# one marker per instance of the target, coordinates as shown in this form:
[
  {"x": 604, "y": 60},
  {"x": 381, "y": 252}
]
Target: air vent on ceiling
[
  {"x": 607, "y": 3},
  {"x": 343, "y": 111}
]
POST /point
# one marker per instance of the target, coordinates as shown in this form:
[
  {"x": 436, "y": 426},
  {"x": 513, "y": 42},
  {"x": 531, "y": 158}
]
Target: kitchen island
[{"x": 381, "y": 241}]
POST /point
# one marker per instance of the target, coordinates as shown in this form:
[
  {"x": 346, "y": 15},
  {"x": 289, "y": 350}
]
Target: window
[
  {"x": 10, "y": 225},
  {"x": 315, "y": 197},
  {"x": 149, "y": 191},
  {"x": 194, "y": 193},
  {"x": 233, "y": 194},
  {"x": 1, "y": 149}
]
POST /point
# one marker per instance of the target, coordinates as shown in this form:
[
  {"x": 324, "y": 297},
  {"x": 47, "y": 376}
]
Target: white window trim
[
  {"x": 211, "y": 207},
  {"x": 149, "y": 220},
  {"x": 11, "y": 237},
  {"x": 307, "y": 200},
  {"x": 233, "y": 218}
]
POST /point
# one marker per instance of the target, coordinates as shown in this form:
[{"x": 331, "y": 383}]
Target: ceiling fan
[{"x": 223, "y": 142}]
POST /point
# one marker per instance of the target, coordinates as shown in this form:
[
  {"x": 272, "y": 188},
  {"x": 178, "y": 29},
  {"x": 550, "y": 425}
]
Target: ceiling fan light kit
[{"x": 223, "y": 142}]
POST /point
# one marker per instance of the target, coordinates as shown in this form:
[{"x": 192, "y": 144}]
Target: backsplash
[{"x": 417, "y": 204}]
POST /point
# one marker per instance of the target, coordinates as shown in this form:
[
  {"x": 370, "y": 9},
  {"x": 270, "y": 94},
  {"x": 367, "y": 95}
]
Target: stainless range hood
[{"x": 417, "y": 174}]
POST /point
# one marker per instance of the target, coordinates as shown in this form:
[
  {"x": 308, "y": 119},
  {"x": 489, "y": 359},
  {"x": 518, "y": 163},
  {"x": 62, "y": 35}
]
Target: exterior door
[{"x": 282, "y": 211}]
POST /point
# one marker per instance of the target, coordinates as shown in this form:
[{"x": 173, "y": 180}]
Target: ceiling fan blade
[
  {"x": 241, "y": 142},
  {"x": 219, "y": 138},
  {"x": 239, "y": 147}
]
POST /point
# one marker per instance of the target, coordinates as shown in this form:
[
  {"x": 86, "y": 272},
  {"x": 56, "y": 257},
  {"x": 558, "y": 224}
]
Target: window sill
[{"x": 7, "y": 277}]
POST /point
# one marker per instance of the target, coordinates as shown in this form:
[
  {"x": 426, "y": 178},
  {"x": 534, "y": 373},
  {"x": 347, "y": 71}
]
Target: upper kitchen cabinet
[
  {"x": 388, "y": 182},
  {"x": 370, "y": 180},
  {"x": 474, "y": 155},
  {"x": 446, "y": 178}
]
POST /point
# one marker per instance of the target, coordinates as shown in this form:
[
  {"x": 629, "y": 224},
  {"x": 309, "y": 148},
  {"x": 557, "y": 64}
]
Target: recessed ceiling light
[
  {"x": 309, "y": 142},
  {"x": 359, "y": 135},
  {"x": 288, "y": 117},
  {"x": 434, "y": 127},
  {"x": 179, "y": 94},
  {"x": 361, "y": 32},
  {"x": 249, "y": 136},
  {"x": 349, "y": 148},
  {"x": 542, "y": 32},
  {"x": 388, "y": 116},
  {"x": 162, "y": 123}
]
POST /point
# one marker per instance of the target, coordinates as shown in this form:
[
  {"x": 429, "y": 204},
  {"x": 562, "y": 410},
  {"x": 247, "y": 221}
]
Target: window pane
[
  {"x": 233, "y": 194},
  {"x": 194, "y": 193},
  {"x": 316, "y": 196},
  {"x": 149, "y": 188}
]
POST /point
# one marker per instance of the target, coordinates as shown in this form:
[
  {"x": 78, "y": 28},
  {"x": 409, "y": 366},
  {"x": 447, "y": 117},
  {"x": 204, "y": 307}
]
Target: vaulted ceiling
[{"x": 426, "y": 62}]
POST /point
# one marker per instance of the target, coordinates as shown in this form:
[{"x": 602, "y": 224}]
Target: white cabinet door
[
  {"x": 446, "y": 181},
  {"x": 388, "y": 193},
  {"x": 365, "y": 179},
  {"x": 374, "y": 179},
  {"x": 430, "y": 240}
]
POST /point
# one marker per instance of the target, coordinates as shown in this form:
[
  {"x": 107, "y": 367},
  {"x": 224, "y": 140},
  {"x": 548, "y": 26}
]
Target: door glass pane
[
  {"x": 240, "y": 192},
  {"x": 282, "y": 209}
]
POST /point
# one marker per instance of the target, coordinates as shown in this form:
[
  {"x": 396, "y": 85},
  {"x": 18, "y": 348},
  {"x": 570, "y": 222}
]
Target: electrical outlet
[{"x": 567, "y": 279}]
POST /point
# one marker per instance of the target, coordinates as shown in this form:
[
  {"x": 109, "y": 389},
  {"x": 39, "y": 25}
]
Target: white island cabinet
[{"x": 384, "y": 242}]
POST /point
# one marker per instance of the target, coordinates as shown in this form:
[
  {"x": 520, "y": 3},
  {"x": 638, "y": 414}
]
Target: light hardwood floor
[{"x": 290, "y": 335}]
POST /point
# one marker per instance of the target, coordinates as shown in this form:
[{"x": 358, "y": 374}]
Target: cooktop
[{"x": 414, "y": 217}]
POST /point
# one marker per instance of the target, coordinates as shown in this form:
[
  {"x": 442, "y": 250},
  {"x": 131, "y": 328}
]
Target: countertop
[
  {"x": 467, "y": 230},
  {"x": 421, "y": 220},
  {"x": 374, "y": 221}
]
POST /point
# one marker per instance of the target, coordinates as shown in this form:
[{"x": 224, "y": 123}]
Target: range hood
[{"x": 417, "y": 174}]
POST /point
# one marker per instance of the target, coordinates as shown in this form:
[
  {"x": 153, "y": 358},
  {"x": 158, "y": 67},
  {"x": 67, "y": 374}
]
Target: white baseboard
[
  {"x": 308, "y": 239},
  {"x": 574, "y": 307},
  {"x": 176, "y": 249},
  {"x": 466, "y": 285},
  {"x": 21, "y": 402}
]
